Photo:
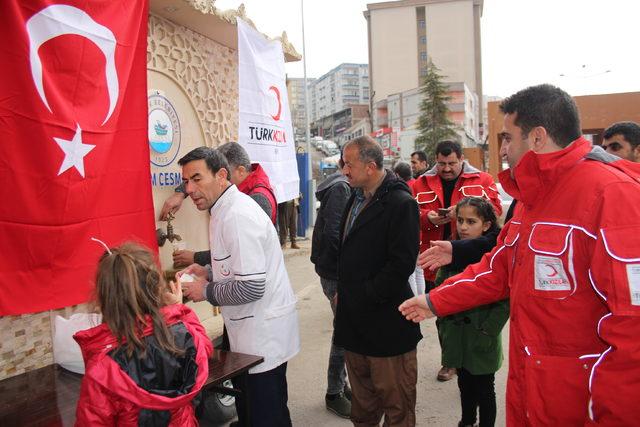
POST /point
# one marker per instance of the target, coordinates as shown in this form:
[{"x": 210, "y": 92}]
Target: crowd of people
[{"x": 392, "y": 248}]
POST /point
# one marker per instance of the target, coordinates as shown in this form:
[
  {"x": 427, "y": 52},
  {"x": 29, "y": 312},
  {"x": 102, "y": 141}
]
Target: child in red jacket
[{"x": 147, "y": 361}]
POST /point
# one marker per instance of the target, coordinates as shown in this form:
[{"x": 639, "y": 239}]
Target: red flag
[{"x": 74, "y": 156}]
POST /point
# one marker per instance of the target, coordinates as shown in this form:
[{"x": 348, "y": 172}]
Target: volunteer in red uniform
[
  {"x": 569, "y": 261},
  {"x": 442, "y": 187}
]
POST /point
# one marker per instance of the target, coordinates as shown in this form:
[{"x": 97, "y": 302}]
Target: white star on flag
[{"x": 74, "y": 152}]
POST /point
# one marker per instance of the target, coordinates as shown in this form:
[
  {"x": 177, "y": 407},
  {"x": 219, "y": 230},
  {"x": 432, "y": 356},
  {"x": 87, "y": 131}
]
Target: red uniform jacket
[
  {"x": 258, "y": 182},
  {"x": 569, "y": 261},
  {"x": 427, "y": 189},
  {"x": 111, "y": 392}
]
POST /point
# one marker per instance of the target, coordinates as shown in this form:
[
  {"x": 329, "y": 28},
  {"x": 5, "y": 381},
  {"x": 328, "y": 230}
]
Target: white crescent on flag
[{"x": 58, "y": 20}]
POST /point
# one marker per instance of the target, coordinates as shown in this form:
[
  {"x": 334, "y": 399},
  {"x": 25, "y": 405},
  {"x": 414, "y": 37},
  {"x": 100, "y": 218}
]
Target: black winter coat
[
  {"x": 375, "y": 261},
  {"x": 333, "y": 194}
]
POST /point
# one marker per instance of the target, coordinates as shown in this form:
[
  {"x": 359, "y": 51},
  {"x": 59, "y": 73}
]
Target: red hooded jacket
[
  {"x": 258, "y": 182},
  {"x": 427, "y": 189},
  {"x": 111, "y": 393},
  {"x": 569, "y": 261}
]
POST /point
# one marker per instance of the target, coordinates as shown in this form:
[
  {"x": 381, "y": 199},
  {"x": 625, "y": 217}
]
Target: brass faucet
[{"x": 162, "y": 237}]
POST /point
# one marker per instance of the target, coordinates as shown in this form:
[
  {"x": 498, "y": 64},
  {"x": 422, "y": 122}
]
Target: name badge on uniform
[
  {"x": 550, "y": 274},
  {"x": 633, "y": 275}
]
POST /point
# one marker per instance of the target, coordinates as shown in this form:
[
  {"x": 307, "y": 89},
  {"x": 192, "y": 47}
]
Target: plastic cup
[{"x": 179, "y": 246}]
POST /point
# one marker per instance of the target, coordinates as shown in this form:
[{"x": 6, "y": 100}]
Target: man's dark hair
[
  {"x": 236, "y": 155},
  {"x": 421, "y": 155},
  {"x": 547, "y": 106},
  {"x": 447, "y": 147},
  {"x": 629, "y": 130},
  {"x": 213, "y": 158},
  {"x": 403, "y": 170},
  {"x": 368, "y": 150}
]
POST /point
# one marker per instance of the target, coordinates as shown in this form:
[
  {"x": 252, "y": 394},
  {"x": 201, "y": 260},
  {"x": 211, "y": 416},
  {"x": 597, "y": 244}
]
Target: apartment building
[
  {"x": 404, "y": 34},
  {"x": 403, "y": 110},
  {"x": 345, "y": 85},
  {"x": 295, "y": 88}
]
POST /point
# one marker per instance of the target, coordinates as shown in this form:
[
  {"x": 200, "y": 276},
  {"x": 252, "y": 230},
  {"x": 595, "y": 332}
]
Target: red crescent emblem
[
  {"x": 553, "y": 273},
  {"x": 277, "y": 92}
]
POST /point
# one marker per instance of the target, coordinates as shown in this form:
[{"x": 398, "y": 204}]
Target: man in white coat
[{"x": 248, "y": 279}]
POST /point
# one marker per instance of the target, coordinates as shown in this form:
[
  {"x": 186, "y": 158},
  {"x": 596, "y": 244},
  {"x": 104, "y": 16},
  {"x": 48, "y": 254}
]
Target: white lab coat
[{"x": 245, "y": 246}]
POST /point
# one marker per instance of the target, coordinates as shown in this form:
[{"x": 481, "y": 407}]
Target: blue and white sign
[{"x": 164, "y": 130}]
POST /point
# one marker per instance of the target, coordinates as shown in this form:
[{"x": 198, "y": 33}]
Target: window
[
  {"x": 421, "y": 23},
  {"x": 423, "y": 56},
  {"x": 423, "y": 39}
]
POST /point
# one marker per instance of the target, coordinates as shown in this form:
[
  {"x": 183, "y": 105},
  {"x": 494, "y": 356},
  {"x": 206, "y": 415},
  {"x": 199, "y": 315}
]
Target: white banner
[{"x": 264, "y": 122}]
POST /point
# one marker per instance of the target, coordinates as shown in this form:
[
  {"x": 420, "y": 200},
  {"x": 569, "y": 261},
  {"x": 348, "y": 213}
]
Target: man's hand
[
  {"x": 174, "y": 294},
  {"x": 416, "y": 309},
  {"x": 195, "y": 270},
  {"x": 436, "y": 219},
  {"x": 182, "y": 258},
  {"x": 171, "y": 205},
  {"x": 440, "y": 253},
  {"x": 194, "y": 290}
]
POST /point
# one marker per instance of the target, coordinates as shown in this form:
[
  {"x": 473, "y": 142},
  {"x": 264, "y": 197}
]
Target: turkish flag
[{"x": 74, "y": 156}]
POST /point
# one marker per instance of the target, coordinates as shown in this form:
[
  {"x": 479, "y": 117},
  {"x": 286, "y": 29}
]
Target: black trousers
[
  {"x": 267, "y": 395},
  {"x": 477, "y": 391}
]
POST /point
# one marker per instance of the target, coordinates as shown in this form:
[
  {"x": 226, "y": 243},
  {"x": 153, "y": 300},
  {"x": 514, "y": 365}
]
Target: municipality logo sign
[{"x": 164, "y": 130}]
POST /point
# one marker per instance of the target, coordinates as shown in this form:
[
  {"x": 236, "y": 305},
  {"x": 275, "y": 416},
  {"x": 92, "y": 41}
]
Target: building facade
[
  {"x": 297, "y": 102},
  {"x": 335, "y": 126},
  {"x": 404, "y": 34},
  {"x": 345, "y": 85},
  {"x": 400, "y": 111}
]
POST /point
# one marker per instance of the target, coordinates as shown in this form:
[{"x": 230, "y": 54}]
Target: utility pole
[{"x": 312, "y": 196}]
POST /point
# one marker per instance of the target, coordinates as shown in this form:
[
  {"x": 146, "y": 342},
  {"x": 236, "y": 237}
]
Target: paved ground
[{"x": 438, "y": 403}]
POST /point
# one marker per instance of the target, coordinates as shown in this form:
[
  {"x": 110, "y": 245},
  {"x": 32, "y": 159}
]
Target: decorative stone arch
[{"x": 190, "y": 60}]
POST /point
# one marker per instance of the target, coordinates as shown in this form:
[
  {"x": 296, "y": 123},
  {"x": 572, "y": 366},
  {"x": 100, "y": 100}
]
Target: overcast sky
[{"x": 584, "y": 46}]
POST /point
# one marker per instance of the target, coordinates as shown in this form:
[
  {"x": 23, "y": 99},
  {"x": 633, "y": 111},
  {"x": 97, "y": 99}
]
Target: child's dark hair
[
  {"x": 483, "y": 208},
  {"x": 129, "y": 287}
]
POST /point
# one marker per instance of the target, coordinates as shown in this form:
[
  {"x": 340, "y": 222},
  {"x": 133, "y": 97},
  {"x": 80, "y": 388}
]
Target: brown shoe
[
  {"x": 445, "y": 374},
  {"x": 294, "y": 245}
]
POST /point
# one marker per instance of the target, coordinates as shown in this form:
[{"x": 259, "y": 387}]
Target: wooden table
[{"x": 48, "y": 396}]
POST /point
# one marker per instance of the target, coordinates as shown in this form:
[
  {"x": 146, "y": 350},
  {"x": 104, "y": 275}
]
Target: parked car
[{"x": 330, "y": 148}]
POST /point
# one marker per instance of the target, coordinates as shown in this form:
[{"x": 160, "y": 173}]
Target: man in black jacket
[
  {"x": 379, "y": 237},
  {"x": 333, "y": 194}
]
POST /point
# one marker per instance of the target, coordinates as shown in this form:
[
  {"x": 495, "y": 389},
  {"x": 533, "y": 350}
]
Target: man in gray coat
[{"x": 333, "y": 194}]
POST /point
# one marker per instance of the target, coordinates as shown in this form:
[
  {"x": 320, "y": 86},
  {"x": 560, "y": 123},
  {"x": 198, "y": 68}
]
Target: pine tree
[{"x": 433, "y": 123}]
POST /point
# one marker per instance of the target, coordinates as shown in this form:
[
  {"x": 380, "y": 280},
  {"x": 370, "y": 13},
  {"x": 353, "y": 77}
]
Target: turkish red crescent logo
[
  {"x": 224, "y": 270},
  {"x": 553, "y": 273},
  {"x": 277, "y": 92}
]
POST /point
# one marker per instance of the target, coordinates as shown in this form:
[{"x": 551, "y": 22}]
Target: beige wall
[
  {"x": 450, "y": 40},
  {"x": 394, "y": 46},
  {"x": 199, "y": 76}
]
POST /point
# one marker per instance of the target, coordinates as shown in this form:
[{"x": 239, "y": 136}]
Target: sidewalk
[{"x": 305, "y": 247}]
